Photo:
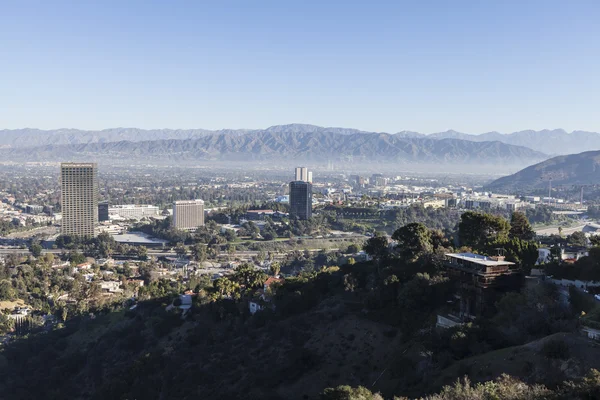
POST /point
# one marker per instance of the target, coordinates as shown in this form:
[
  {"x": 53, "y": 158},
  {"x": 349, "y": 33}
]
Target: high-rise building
[
  {"x": 302, "y": 174},
  {"x": 188, "y": 214},
  {"x": 103, "y": 211},
  {"x": 309, "y": 177},
  {"x": 301, "y": 199},
  {"x": 79, "y": 198}
]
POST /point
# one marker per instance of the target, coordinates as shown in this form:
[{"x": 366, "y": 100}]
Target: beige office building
[
  {"x": 188, "y": 214},
  {"x": 79, "y": 198},
  {"x": 302, "y": 174}
]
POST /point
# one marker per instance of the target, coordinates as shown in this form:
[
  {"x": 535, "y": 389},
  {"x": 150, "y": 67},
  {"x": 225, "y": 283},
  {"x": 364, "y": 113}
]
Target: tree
[
  {"x": 127, "y": 271},
  {"x": 229, "y": 235},
  {"x": 477, "y": 229},
  {"x": 7, "y": 292},
  {"x": 377, "y": 246},
  {"x": 577, "y": 239},
  {"x": 230, "y": 248},
  {"x": 275, "y": 268},
  {"x": 353, "y": 249},
  {"x": 7, "y": 324},
  {"x": 145, "y": 271},
  {"x": 414, "y": 240},
  {"x": 520, "y": 227},
  {"x": 49, "y": 259},
  {"x": 595, "y": 240},
  {"x": 180, "y": 250},
  {"x": 248, "y": 276},
  {"x": 76, "y": 257},
  {"x": 226, "y": 287},
  {"x": 142, "y": 253},
  {"x": 36, "y": 249},
  {"x": 199, "y": 252}
]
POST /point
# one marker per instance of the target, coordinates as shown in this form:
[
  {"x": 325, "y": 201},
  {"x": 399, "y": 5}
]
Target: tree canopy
[
  {"x": 520, "y": 227},
  {"x": 478, "y": 229},
  {"x": 413, "y": 241}
]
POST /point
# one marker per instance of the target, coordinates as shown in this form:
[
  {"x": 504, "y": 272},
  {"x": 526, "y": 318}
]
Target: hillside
[
  {"x": 222, "y": 353},
  {"x": 286, "y": 145},
  {"x": 574, "y": 169},
  {"x": 368, "y": 324}
]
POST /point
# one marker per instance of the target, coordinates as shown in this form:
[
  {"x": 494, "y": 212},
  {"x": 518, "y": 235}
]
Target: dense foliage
[{"x": 333, "y": 323}]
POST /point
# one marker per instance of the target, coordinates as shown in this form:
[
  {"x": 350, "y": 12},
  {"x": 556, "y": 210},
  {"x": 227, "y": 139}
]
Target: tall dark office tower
[
  {"x": 79, "y": 198},
  {"x": 301, "y": 199},
  {"x": 103, "y": 211}
]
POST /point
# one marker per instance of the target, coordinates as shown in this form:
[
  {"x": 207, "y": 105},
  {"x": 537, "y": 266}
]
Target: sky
[{"x": 421, "y": 65}]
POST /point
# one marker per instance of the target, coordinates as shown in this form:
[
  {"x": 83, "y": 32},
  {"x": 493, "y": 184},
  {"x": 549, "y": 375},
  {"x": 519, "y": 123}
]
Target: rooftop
[
  {"x": 138, "y": 238},
  {"x": 479, "y": 259}
]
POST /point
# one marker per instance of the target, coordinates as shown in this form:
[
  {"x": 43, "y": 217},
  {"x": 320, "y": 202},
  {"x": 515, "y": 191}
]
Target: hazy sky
[{"x": 421, "y": 65}]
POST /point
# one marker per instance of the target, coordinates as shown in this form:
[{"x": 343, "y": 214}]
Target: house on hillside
[
  {"x": 262, "y": 297},
  {"x": 574, "y": 252},
  {"x": 182, "y": 303},
  {"x": 482, "y": 280},
  {"x": 111, "y": 287}
]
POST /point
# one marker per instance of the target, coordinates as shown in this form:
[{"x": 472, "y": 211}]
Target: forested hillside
[{"x": 369, "y": 324}]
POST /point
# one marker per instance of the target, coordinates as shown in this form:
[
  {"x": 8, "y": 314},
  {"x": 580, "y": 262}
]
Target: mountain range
[
  {"x": 573, "y": 169},
  {"x": 552, "y": 142},
  {"x": 278, "y": 144}
]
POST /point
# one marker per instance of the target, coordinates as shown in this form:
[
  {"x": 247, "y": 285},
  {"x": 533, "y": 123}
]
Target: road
[{"x": 553, "y": 230}]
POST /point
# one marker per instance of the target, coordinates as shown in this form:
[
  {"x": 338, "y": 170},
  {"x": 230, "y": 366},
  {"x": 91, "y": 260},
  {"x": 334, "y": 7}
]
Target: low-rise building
[{"x": 133, "y": 211}]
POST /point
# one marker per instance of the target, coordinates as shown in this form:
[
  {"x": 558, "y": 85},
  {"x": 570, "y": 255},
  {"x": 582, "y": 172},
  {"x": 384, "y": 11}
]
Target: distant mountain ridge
[
  {"x": 29, "y": 137},
  {"x": 573, "y": 169},
  {"x": 555, "y": 141},
  {"x": 289, "y": 145}
]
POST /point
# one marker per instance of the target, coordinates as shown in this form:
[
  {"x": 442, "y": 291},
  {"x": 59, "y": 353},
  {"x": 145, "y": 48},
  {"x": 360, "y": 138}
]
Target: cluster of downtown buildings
[{"x": 82, "y": 212}]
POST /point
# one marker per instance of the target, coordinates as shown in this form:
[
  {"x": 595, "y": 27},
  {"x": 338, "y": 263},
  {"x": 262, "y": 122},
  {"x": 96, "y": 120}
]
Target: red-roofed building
[
  {"x": 271, "y": 280},
  {"x": 261, "y": 296}
]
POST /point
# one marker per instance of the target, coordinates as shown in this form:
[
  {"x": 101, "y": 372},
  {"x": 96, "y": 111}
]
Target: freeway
[{"x": 156, "y": 253}]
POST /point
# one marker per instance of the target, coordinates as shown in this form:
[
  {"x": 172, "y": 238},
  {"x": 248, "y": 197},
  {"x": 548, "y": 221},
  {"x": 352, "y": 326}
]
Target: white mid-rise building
[
  {"x": 188, "y": 214},
  {"x": 302, "y": 174},
  {"x": 133, "y": 211}
]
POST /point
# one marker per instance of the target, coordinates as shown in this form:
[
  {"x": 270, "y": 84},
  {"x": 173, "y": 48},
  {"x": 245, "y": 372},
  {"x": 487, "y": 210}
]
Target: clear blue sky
[{"x": 421, "y": 65}]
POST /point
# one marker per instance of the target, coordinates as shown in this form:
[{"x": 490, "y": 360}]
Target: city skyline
[{"x": 389, "y": 66}]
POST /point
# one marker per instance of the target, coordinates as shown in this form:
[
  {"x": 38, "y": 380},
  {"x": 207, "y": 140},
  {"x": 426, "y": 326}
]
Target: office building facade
[
  {"x": 302, "y": 174},
  {"x": 188, "y": 214},
  {"x": 103, "y": 211},
  {"x": 300, "y": 199},
  {"x": 134, "y": 211},
  {"x": 79, "y": 198}
]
